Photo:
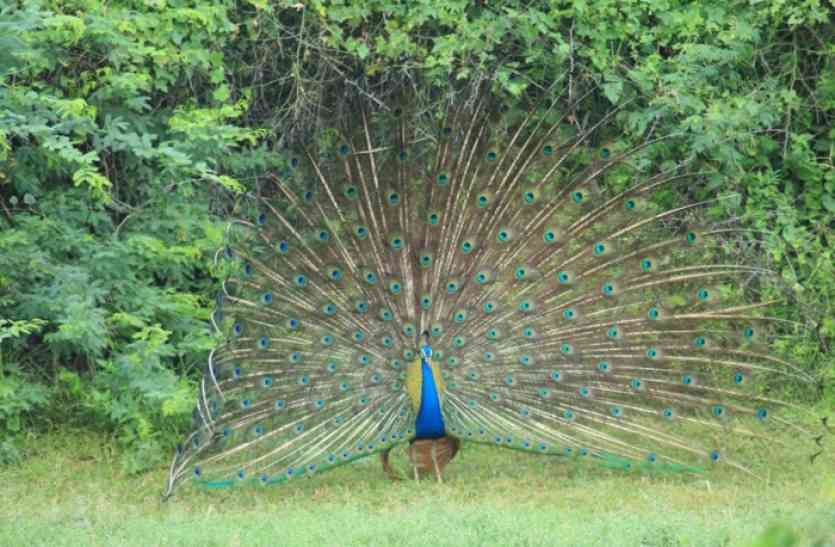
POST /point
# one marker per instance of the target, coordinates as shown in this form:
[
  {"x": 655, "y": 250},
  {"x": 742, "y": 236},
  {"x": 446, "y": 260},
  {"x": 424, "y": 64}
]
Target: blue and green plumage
[
  {"x": 563, "y": 318},
  {"x": 429, "y": 423}
]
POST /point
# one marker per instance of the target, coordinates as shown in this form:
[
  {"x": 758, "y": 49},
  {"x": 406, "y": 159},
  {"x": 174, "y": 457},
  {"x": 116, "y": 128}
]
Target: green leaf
[
  {"x": 613, "y": 90},
  {"x": 221, "y": 94},
  {"x": 362, "y": 50}
]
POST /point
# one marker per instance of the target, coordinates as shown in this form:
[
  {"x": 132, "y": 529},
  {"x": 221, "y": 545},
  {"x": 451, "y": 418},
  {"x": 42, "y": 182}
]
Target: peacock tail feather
[{"x": 568, "y": 315}]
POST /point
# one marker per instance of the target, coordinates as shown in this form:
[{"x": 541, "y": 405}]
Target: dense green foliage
[{"x": 130, "y": 129}]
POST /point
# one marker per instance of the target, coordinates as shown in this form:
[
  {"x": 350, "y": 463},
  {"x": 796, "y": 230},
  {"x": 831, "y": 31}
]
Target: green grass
[{"x": 71, "y": 492}]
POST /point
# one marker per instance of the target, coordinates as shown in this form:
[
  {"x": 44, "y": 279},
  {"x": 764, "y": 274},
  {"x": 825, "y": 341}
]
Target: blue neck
[{"x": 430, "y": 422}]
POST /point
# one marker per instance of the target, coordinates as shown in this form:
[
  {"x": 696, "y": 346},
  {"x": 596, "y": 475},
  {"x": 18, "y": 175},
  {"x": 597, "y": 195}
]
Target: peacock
[{"x": 432, "y": 270}]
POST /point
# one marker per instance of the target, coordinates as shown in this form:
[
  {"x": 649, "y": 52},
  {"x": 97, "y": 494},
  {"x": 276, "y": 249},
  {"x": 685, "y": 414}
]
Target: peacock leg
[
  {"x": 387, "y": 468},
  {"x": 413, "y": 462},
  {"x": 435, "y": 463}
]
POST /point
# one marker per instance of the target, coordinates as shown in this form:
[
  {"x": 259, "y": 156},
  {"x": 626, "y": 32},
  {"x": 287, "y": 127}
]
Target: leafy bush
[
  {"x": 129, "y": 131},
  {"x": 18, "y": 397}
]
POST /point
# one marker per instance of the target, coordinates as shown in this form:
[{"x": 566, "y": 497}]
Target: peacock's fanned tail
[{"x": 565, "y": 319}]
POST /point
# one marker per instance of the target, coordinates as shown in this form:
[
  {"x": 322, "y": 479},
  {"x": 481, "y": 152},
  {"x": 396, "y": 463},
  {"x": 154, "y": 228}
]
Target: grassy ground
[{"x": 71, "y": 492}]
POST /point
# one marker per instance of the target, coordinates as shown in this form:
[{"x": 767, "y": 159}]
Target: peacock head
[{"x": 425, "y": 349}]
